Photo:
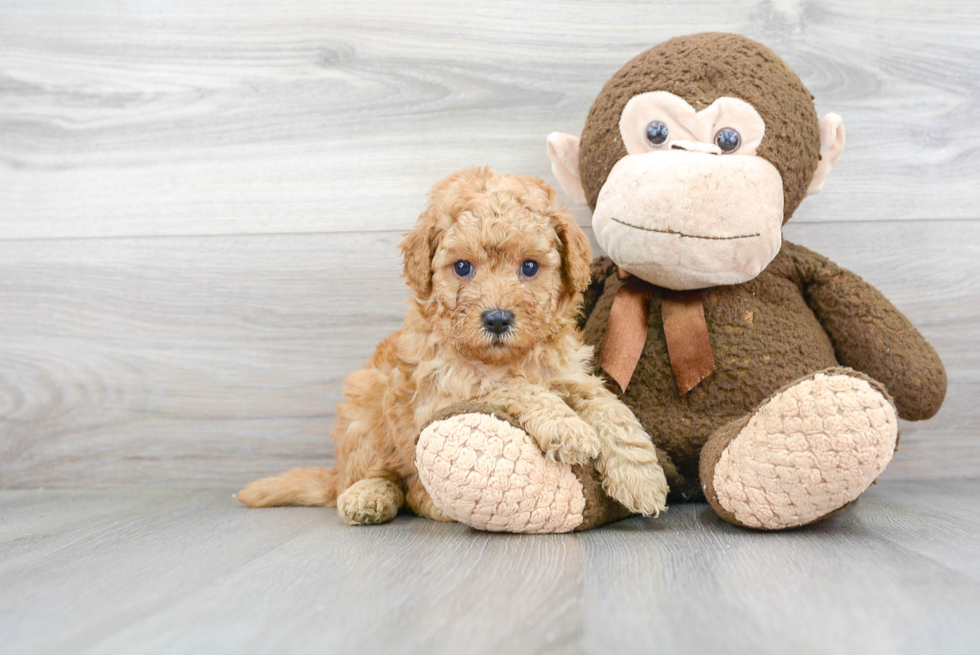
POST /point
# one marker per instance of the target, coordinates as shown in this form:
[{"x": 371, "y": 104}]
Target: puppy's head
[{"x": 496, "y": 264}]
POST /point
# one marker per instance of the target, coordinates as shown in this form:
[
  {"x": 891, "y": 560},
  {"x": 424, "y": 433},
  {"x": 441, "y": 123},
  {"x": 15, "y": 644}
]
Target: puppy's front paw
[
  {"x": 639, "y": 487},
  {"x": 570, "y": 440}
]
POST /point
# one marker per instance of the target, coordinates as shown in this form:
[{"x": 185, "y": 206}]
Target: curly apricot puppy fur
[{"x": 497, "y": 269}]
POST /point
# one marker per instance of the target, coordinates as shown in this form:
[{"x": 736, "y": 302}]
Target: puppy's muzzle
[{"x": 498, "y": 321}]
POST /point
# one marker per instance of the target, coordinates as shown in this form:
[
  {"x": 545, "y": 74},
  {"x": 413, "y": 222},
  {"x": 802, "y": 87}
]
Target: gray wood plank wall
[{"x": 200, "y": 201}]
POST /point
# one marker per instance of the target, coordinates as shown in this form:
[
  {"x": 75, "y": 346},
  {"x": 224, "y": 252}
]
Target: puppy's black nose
[{"x": 497, "y": 321}]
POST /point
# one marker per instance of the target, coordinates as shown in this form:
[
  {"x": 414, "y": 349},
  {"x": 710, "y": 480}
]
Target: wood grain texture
[
  {"x": 200, "y": 202},
  {"x": 212, "y": 361},
  {"x": 189, "y": 571},
  {"x": 237, "y": 116}
]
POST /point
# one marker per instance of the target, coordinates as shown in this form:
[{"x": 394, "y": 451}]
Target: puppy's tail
[{"x": 310, "y": 487}]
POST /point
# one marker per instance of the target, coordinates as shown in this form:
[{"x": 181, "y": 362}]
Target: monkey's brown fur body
[{"x": 803, "y": 314}]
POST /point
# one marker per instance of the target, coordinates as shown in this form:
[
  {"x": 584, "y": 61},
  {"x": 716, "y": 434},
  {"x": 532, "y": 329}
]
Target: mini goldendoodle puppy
[{"x": 497, "y": 268}]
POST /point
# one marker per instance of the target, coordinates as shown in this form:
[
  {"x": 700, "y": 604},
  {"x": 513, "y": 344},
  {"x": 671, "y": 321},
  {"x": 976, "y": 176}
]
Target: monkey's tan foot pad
[
  {"x": 489, "y": 474},
  {"x": 808, "y": 451}
]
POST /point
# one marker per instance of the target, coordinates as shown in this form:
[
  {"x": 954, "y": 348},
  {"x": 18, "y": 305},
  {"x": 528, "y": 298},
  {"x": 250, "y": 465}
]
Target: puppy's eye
[
  {"x": 463, "y": 268},
  {"x": 529, "y": 268},
  {"x": 657, "y": 133},
  {"x": 728, "y": 139}
]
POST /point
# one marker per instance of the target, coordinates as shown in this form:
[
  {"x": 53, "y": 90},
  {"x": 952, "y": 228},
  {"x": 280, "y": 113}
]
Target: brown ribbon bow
[{"x": 685, "y": 330}]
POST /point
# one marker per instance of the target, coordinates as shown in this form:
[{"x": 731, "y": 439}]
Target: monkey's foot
[
  {"x": 808, "y": 451},
  {"x": 485, "y": 471}
]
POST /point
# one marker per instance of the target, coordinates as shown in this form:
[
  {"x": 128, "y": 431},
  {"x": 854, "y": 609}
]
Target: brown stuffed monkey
[{"x": 770, "y": 379}]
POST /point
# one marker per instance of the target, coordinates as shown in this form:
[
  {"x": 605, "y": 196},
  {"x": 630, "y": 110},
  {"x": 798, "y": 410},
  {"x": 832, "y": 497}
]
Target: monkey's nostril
[{"x": 497, "y": 321}]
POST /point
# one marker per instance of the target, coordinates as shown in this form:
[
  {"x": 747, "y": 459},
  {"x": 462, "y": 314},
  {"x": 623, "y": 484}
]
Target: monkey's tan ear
[
  {"x": 418, "y": 247},
  {"x": 831, "y": 145},
  {"x": 563, "y": 152}
]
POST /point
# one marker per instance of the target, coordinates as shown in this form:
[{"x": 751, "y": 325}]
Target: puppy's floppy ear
[
  {"x": 576, "y": 252},
  {"x": 418, "y": 248}
]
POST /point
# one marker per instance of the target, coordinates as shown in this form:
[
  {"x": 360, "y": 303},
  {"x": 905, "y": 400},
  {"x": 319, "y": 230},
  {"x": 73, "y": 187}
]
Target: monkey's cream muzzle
[{"x": 689, "y": 220}]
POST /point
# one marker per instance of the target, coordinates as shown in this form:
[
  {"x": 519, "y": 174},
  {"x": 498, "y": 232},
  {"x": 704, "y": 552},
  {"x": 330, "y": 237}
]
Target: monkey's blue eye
[
  {"x": 529, "y": 268},
  {"x": 657, "y": 133},
  {"x": 728, "y": 139},
  {"x": 463, "y": 268}
]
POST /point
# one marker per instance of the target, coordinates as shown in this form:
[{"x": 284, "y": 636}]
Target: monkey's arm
[
  {"x": 870, "y": 335},
  {"x": 602, "y": 269}
]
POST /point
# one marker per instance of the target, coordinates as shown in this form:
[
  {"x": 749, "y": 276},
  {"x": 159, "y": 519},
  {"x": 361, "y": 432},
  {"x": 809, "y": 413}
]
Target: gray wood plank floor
[{"x": 190, "y": 571}]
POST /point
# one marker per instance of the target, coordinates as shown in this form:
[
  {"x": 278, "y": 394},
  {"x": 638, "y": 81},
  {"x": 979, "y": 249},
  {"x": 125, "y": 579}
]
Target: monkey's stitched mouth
[{"x": 681, "y": 234}]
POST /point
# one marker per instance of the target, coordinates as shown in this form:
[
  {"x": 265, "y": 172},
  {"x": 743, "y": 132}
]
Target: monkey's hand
[{"x": 870, "y": 335}]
